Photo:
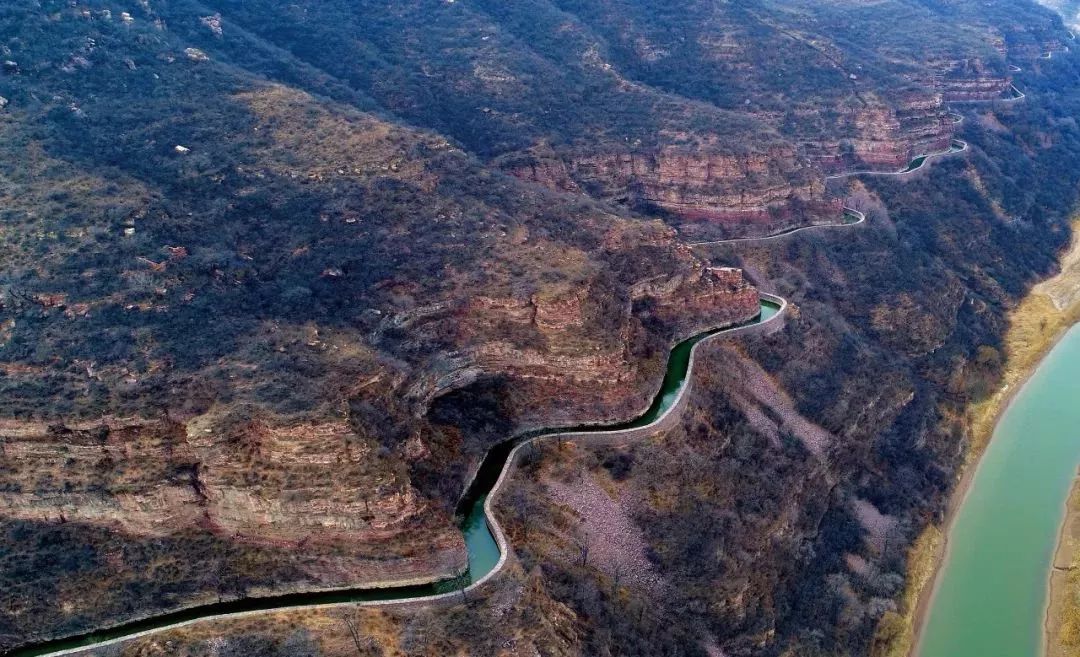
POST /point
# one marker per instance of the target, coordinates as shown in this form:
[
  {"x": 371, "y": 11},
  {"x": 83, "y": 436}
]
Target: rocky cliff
[
  {"x": 974, "y": 89},
  {"x": 885, "y": 136},
  {"x": 697, "y": 180},
  {"x": 968, "y": 79},
  {"x": 316, "y": 486},
  {"x": 558, "y": 345}
]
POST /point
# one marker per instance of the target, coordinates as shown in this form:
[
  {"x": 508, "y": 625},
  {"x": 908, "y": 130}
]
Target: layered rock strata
[
  {"x": 884, "y": 137},
  {"x": 966, "y": 80},
  {"x": 684, "y": 180},
  {"x": 317, "y": 486},
  {"x": 596, "y": 373}
]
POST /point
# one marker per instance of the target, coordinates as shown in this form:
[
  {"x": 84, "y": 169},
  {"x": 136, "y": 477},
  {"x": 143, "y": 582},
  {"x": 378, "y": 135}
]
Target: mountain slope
[{"x": 275, "y": 275}]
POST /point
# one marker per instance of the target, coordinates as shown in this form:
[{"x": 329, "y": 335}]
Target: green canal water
[
  {"x": 483, "y": 550},
  {"x": 954, "y": 147},
  {"x": 989, "y": 601}
]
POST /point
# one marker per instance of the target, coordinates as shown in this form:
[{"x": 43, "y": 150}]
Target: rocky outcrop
[
  {"x": 697, "y": 179},
  {"x": 966, "y": 80},
  {"x": 709, "y": 226},
  {"x": 718, "y": 295},
  {"x": 971, "y": 89},
  {"x": 319, "y": 486},
  {"x": 1036, "y": 48},
  {"x": 578, "y": 347},
  {"x": 703, "y": 297},
  {"x": 885, "y": 137}
]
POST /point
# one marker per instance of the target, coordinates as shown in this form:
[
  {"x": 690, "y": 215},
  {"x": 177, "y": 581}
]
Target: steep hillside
[
  {"x": 275, "y": 275},
  {"x": 228, "y": 306}
]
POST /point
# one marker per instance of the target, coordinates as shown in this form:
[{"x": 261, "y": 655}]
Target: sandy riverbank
[
  {"x": 1061, "y": 627},
  {"x": 1038, "y": 322}
]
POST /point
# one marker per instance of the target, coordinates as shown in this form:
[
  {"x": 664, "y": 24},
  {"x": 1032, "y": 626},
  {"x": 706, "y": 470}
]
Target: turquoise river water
[{"x": 991, "y": 594}]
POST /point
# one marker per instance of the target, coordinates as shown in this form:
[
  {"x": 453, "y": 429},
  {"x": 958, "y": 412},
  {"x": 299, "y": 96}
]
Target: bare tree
[
  {"x": 619, "y": 569},
  {"x": 464, "y": 581},
  {"x": 365, "y": 646},
  {"x": 581, "y": 540}
]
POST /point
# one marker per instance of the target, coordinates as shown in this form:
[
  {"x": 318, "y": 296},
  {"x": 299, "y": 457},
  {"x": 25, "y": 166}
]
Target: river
[{"x": 990, "y": 596}]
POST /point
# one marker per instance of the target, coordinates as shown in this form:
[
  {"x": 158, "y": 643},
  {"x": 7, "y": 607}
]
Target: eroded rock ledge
[{"x": 314, "y": 486}]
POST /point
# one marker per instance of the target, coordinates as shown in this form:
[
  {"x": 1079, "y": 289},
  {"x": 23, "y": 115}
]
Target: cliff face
[
  {"x": 682, "y": 180},
  {"x": 693, "y": 183},
  {"x": 886, "y": 137},
  {"x": 713, "y": 292},
  {"x": 969, "y": 78},
  {"x": 133, "y": 517},
  {"x": 969, "y": 89},
  {"x": 319, "y": 486},
  {"x": 699, "y": 299},
  {"x": 581, "y": 348}
]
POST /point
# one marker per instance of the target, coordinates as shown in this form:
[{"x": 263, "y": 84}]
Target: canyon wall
[
  {"x": 316, "y": 486},
  {"x": 553, "y": 350},
  {"x": 684, "y": 180},
  {"x": 885, "y": 137}
]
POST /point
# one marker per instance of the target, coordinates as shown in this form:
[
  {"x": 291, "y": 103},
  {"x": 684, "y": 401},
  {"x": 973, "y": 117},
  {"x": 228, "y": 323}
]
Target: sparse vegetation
[{"x": 231, "y": 216}]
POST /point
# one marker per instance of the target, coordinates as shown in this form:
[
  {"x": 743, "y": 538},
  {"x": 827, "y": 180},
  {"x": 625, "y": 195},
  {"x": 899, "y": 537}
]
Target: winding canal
[
  {"x": 989, "y": 599},
  {"x": 484, "y": 539},
  {"x": 850, "y": 217},
  {"x": 916, "y": 163}
]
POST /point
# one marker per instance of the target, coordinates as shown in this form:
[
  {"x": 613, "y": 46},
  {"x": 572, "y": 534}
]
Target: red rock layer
[
  {"x": 969, "y": 79},
  {"x": 884, "y": 137},
  {"x": 319, "y": 486},
  {"x": 565, "y": 359},
  {"x": 706, "y": 226},
  {"x": 968, "y": 89},
  {"x": 680, "y": 179}
]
